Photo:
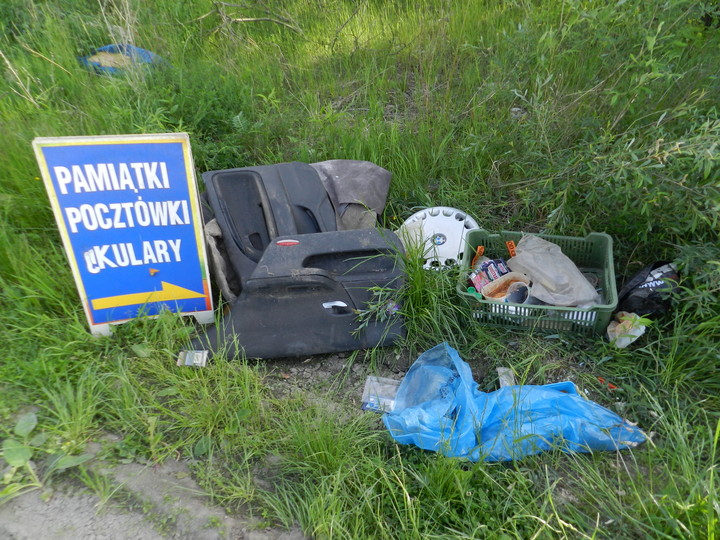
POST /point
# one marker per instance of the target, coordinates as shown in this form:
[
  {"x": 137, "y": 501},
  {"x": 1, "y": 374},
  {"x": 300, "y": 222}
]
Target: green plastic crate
[{"x": 591, "y": 254}]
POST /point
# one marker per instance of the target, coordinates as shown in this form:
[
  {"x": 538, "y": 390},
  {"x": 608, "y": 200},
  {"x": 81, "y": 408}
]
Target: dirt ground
[
  {"x": 163, "y": 501},
  {"x": 167, "y": 504}
]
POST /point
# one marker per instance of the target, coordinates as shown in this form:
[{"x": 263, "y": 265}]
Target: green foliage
[
  {"x": 18, "y": 452},
  {"x": 429, "y": 305}
]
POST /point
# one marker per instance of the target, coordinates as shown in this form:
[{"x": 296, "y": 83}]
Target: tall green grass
[{"x": 564, "y": 117}]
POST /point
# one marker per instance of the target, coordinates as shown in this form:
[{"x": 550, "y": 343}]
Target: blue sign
[{"x": 128, "y": 213}]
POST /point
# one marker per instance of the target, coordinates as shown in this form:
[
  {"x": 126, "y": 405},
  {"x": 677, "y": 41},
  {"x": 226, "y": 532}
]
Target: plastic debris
[
  {"x": 556, "y": 279},
  {"x": 196, "y": 359},
  {"x": 114, "y": 59},
  {"x": 511, "y": 287},
  {"x": 438, "y": 408},
  {"x": 649, "y": 292},
  {"x": 610, "y": 386},
  {"x": 626, "y": 328},
  {"x": 440, "y": 233},
  {"x": 506, "y": 377},
  {"x": 379, "y": 394}
]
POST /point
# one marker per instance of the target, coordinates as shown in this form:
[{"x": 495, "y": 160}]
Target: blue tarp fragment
[
  {"x": 136, "y": 55},
  {"x": 439, "y": 408}
]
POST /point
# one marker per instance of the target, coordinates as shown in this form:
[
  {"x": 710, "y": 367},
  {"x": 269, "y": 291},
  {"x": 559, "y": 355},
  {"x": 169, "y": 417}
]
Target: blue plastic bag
[
  {"x": 136, "y": 56},
  {"x": 439, "y": 408}
]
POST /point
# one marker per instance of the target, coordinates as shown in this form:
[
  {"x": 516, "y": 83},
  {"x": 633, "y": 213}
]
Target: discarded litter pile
[
  {"x": 555, "y": 283},
  {"x": 545, "y": 275},
  {"x": 438, "y": 407},
  {"x": 297, "y": 256}
]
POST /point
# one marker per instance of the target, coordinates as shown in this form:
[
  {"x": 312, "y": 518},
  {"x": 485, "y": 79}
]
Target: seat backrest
[{"x": 254, "y": 205}]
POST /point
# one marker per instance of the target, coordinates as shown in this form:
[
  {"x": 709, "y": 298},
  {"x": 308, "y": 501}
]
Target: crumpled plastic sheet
[
  {"x": 439, "y": 408},
  {"x": 556, "y": 279},
  {"x": 136, "y": 55}
]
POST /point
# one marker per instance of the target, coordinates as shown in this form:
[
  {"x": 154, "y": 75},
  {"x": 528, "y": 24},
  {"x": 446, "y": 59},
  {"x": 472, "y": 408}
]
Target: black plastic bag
[{"x": 650, "y": 291}]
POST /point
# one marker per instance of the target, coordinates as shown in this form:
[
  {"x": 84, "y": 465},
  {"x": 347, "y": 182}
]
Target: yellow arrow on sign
[{"x": 168, "y": 292}]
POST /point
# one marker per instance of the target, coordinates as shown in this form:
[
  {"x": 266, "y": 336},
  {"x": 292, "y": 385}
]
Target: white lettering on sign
[
  {"x": 128, "y": 214},
  {"x": 125, "y": 254},
  {"x": 93, "y": 177}
]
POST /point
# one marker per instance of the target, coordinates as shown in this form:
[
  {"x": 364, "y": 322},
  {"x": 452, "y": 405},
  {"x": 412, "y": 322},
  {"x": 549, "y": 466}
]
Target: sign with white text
[{"x": 128, "y": 213}]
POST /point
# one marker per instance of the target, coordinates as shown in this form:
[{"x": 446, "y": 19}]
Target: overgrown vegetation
[{"x": 562, "y": 116}]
